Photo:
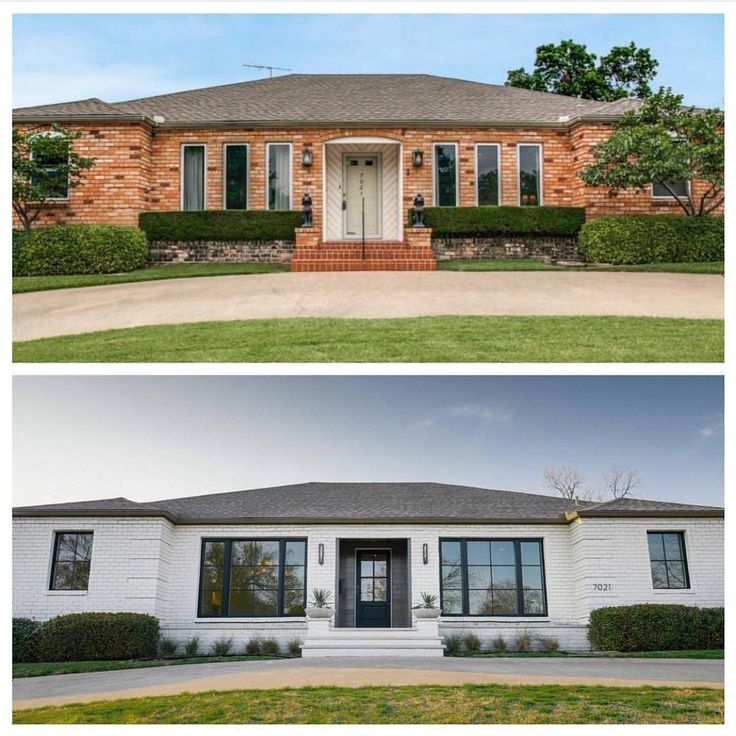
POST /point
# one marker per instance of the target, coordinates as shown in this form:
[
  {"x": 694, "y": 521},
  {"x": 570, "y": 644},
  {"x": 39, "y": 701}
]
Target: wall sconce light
[
  {"x": 321, "y": 553},
  {"x": 417, "y": 158},
  {"x": 306, "y": 157},
  {"x": 425, "y": 553}
]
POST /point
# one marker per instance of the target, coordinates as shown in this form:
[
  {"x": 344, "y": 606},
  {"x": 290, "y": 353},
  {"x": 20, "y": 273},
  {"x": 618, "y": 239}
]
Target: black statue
[
  {"x": 307, "y": 211},
  {"x": 418, "y": 212}
]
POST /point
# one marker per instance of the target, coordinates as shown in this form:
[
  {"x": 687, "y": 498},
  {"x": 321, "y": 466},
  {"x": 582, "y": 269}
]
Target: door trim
[
  {"x": 358, "y": 550},
  {"x": 379, "y": 191}
]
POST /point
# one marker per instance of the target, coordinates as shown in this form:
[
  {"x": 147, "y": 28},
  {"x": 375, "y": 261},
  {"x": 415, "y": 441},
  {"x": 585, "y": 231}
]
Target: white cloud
[
  {"x": 712, "y": 427},
  {"x": 481, "y": 412}
]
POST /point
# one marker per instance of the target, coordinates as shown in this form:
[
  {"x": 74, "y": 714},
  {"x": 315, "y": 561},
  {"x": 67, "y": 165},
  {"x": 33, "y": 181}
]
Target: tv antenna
[{"x": 270, "y": 68}]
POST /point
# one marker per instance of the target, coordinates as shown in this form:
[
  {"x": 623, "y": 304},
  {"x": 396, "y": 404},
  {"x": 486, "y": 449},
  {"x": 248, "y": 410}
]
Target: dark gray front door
[{"x": 373, "y": 591}]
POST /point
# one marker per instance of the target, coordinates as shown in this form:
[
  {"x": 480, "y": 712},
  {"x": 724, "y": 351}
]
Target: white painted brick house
[{"x": 243, "y": 564}]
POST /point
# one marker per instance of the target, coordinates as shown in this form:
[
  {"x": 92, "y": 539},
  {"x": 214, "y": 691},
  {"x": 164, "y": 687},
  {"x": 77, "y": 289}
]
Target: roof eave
[
  {"x": 647, "y": 514},
  {"x": 86, "y": 118}
]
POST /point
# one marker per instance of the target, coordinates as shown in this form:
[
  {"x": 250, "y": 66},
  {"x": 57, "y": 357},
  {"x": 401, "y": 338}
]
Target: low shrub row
[
  {"x": 631, "y": 239},
  {"x": 79, "y": 249},
  {"x": 220, "y": 225},
  {"x": 503, "y": 220},
  {"x": 652, "y": 627},
  {"x": 78, "y": 637}
]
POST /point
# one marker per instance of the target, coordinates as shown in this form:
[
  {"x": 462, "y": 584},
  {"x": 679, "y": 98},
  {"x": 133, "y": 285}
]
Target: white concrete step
[
  {"x": 310, "y": 650},
  {"x": 339, "y": 641}
]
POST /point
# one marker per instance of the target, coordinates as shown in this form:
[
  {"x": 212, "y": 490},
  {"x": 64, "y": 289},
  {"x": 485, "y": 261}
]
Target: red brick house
[{"x": 361, "y": 145}]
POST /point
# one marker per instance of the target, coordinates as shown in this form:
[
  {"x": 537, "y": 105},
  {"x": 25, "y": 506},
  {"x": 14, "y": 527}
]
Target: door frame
[
  {"x": 379, "y": 191},
  {"x": 389, "y": 587}
]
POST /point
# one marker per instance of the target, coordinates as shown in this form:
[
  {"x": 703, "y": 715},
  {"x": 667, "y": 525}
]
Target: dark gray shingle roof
[
  {"x": 350, "y": 99},
  {"x": 364, "y": 502}
]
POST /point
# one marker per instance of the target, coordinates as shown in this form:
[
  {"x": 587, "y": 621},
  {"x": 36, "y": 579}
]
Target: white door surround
[{"x": 361, "y": 191}]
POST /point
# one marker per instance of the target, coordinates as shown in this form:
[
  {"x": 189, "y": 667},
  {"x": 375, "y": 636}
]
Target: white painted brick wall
[{"x": 150, "y": 566}]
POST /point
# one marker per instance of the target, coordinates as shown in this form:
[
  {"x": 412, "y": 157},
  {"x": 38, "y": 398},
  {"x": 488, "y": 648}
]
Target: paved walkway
[
  {"x": 33, "y": 692},
  {"x": 359, "y": 294}
]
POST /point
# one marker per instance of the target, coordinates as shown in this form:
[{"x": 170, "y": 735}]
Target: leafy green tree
[
  {"x": 45, "y": 167},
  {"x": 568, "y": 68},
  {"x": 663, "y": 143}
]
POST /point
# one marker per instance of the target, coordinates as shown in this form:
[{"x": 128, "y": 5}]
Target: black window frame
[
  {"x": 226, "y": 576},
  {"x": 478, "y": 186},
  {"x": 681, "y": 535},
  {"x": 465, "y": 595},
  {"x": 436, "y": 185},
  {"x": 55, "y": 557}
]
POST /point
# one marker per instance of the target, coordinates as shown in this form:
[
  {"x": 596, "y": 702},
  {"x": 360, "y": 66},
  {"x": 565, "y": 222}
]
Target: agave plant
[
  {"x": 428, "y": 600},
  {"x": 321, "y": 598}
]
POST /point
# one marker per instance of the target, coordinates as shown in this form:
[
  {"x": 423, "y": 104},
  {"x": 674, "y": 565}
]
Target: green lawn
[
  {"x": 682, "y": 654},
  {"x": 532, "y": 265},
  {"x": 155, "y": 273},
  {"x": 478, "y": 704},
  {"x": 39, "y": 669},
  {"x": 422, "y": 339}
]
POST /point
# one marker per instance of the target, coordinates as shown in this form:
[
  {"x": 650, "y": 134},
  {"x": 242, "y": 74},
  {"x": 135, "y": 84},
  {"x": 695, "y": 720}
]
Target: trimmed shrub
[
  {"x": 472, "y": 643},
  {"x": 655, "y": 627},
  {"x": 523, "y": 642},
  {"x": 294, "y": 647},
  {"x": 95, "y": 636},
  {"x": 631, "y": 239},
  {"x": 191, "y": 648},
  {"x": 220, "y": 225},
  {"x": 80, "y": 249},
  {"x": 25, "y": 639},
  {"x": 499, "y": 644},
  {"x": 270, "y": 647},
  {"x": 254, "y": 646},
  {"x": 167, "y": 647},
  {"x": 222, "y": 647},
  {"x": 19, "y": 238},
  {"x": 453, "y": 644},
  {"x": 503, "y": 220}
]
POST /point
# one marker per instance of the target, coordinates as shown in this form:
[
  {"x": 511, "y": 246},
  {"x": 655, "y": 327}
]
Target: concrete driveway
[
  {"x": 361, "y": 294},
  {"x": 33, "y": 692}
]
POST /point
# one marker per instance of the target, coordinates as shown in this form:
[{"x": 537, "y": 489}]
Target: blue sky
[
  {"x": 150, "y": 437},
  {"x": 114, "y": 57}
]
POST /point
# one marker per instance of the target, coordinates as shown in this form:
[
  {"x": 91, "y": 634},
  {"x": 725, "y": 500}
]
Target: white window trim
[
  {"x": 518, "y": 172},
  {"x": 53, "y": 134},
  {"x": 435, "y": 181},
  {"x": 291, "y": 171},
  {"x": 181, "y": 173},
  {"x": 224, "y": 173},
  {"x": 669, "y": 197},
  {"x": 498, "y": 155}
]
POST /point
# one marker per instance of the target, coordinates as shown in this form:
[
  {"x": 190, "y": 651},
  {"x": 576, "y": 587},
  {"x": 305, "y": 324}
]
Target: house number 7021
[{"x": 602, "y": 586}]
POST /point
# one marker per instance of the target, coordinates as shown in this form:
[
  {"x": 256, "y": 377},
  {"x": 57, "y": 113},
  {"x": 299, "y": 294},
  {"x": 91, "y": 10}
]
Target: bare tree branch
[
  {"x": 621, "y": 482},
  {"x": 566, "y": 480}
]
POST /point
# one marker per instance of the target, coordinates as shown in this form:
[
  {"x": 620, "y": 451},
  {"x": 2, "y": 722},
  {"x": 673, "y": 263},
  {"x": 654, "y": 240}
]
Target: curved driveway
[
  {"x": 360, "y": 294},
  {"x": 34, "y": 692}
]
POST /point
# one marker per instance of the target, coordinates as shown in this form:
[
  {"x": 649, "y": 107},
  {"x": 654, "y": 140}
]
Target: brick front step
[
  {"x": 353, "y": 264},
  {"x": 352, "y": 256}
]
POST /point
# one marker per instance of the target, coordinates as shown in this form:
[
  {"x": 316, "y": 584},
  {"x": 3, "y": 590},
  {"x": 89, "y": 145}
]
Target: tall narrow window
[
  {"x": 668, "y": 560},
  {"x": 279, "y": 176},
  {"x": 72, "y": 558},
  {"x": 487, "y": 168},
  {"x": 530, "y": 175},
  {"x": 445, "y": 174},
  {"x": 192, "y": 180},
  {"x": 52, "y": 174},
  {"x": 236, "y": 177}
]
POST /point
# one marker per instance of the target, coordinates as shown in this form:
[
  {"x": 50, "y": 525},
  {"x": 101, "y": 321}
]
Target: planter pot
[
  {"x": 426, "y": 612},
  {"x": 320, "y": 612}
]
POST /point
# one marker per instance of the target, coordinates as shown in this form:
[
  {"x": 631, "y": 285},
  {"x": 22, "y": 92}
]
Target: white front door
[{"x": 362, "y": 206}]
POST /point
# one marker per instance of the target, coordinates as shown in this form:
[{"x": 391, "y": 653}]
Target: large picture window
[
  {"x": 487, "y": 172},
  {"x": 530, "y": 174},
  {"x": 492, "y": 577},
  {"x": 445, "y": 174},
  {"x": 253, "y": 577},
  {"x": 279, "y": 176},
  {"x": 236, "y": 176},
  {"x": 192, "y": 179},
  {"x": 71, "y": 562},
  {"x": 668, "y": 559}
]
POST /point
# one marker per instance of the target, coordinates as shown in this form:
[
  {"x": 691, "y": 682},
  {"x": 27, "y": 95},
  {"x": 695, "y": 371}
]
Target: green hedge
[
  {"x": 221, "y": 225},
  {"x": 81, "y": 249},
  {"x": 655, "y": 627},
  {"x": 481, "y": 221},
  {"x": 652, "y": 239},
  {"x": 79, "y": 637},
  {"x": 25, "y": 639}
]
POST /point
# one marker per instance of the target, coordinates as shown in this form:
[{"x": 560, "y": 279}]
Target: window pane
[
  {"x": 294, "y": 576},
  {"x": 67, "y": 547},
  {"x": 529, "y": 176},
  {"x": 479, "y": 577},
  {"x": 679, "y": 187},
  {"x": 241, "y": 603},
  {"x": 504, "y": 576},
  {"x": 214, "y": 553},
  {"x": 84, "y": 546},
  {"x": 451, "y": 601},
  {"x": 379, "y": 567},
  {"x": 505, "y": 602},
  {"x": 295, "y": 553},
  {"x": 531, "y": 576},
  {"x": 656, "y": 546},
  {"x": 63, "y": 576},
  {"x": 211, "y": 603},
  {"x": 379, "y": 589},
  {"x": 279, "y": 197},
  {"x": 242, "y": 577},
  {"x": 445, "y": 176},
  {"x": 366, "y": 589},
  {"x": 487, "y": 173},
  {"x": 294, "y": 602},
  {"x": 481, "y": 602},
  {"x": 672, "y": 549},
  {"x": 51, "y": 176},
  {"x": 659, "y": 574},
  {"x": 450, "y": 553},
  {"x": 366, "y": 568},
  {"x": 236, "y": 177},
  {"x": 451, "y": 576},
  {"x": 212, "y": 577},
  {"x": 502, "y": 553},
  {"x": 530, "y": 553},
  {"x": 265, "y": 602},
  {"x": 676, "y": 575},
  {"x": 81, "y": 575},
  {"x": 193, "y": 178},
  {"x": 479, "y": 553},
  {"x": 533, "y": 602}
]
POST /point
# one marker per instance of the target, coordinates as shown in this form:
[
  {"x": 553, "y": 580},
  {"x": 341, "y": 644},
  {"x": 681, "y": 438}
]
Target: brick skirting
[
  {"x": 215, "y": 251},
  {"x": 506, "y": 247}
]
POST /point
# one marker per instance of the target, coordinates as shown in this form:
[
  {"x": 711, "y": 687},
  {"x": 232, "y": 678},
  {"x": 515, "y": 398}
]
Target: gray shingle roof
[
  {"x": 350, "y": 99},
  {"x": 368, "y": 502}
]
